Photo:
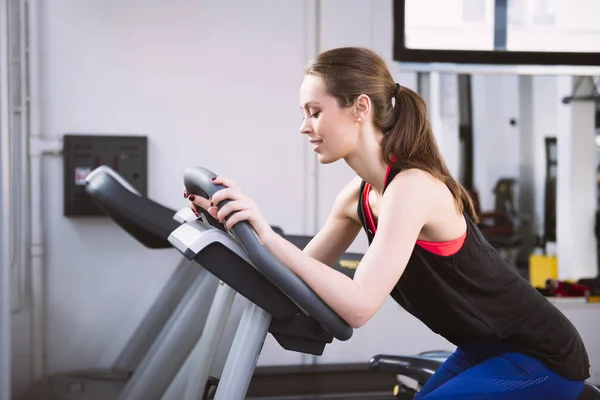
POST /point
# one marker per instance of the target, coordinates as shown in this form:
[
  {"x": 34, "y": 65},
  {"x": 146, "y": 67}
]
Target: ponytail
[{"x": 410, "y": 143}]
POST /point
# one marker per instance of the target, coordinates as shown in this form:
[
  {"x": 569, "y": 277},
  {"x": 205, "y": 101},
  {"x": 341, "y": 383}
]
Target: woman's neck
[{"x": 366, "y": 161}]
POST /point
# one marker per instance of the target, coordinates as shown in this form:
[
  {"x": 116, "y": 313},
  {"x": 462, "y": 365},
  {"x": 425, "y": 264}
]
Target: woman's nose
[{"x": 305, "y": 127}]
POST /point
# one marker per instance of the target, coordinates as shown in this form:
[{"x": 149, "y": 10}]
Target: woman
[{"x": 425, "y": 249}]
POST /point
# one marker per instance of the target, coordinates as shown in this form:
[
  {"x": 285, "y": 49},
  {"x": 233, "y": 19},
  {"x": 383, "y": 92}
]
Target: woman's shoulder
[
  {"x": 415, "y": 178},
  {"x": 421, "y": 193},
  {"x": 418, "y": 186}
]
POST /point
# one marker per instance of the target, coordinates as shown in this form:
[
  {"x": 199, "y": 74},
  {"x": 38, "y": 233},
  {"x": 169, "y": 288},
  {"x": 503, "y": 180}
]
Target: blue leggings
[{"x": 482, "y": 374}]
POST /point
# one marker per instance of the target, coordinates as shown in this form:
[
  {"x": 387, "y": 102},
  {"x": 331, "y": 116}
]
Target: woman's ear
[{"x": 362, "y": 106}]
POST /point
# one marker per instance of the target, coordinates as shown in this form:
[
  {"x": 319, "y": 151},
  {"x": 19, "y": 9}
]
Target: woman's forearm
[{"x": 336, "y": 289}]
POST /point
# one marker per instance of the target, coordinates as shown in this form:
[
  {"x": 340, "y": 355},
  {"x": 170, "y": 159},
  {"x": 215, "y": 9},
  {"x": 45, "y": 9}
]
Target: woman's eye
[{"x": 316, "y": 115}]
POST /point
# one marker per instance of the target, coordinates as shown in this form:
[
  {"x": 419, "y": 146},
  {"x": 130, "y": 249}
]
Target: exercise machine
[
  {"x": 418, "y": 368},
  {"x": 159, "y": 347},
  {"x": 279, "y": 302}
]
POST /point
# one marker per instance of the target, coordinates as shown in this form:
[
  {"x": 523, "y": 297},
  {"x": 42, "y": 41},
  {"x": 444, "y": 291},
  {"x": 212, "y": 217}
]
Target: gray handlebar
[{"x": 198, "y": 181}]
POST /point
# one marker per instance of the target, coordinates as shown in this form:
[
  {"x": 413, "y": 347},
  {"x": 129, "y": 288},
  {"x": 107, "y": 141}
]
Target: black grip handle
[
  {"x": 198, "y": 181},
  {"x": 193, "y": 186}
]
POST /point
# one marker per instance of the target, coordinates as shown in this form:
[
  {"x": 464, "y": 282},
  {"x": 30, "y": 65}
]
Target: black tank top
[{"x": 476, "y": 295}]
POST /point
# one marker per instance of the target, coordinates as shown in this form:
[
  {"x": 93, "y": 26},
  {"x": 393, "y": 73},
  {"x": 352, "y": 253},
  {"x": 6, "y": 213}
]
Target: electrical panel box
[{"x": 127, "y": 155}]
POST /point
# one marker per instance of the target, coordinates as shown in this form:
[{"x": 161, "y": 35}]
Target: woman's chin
[{"x": 326, "y": 159}]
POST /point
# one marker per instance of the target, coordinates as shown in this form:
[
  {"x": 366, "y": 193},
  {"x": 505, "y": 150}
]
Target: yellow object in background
[
  {"x": 542, "y": 267},
  {"x": 352, "y": 264}
]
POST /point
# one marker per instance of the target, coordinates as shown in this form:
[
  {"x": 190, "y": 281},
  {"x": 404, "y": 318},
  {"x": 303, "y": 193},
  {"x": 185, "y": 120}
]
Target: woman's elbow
[
  {"x": 356, "y": 323},
  {"x": 359, "y": 318}
]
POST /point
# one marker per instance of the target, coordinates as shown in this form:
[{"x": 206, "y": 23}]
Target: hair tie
[{"x": 396, "y": 90}]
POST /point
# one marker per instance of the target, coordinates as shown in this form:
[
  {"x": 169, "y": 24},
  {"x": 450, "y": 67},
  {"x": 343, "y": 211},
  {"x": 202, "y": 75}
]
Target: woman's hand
[
  {"x": 195, "y": 201},
  {"x": 242, "y": 207}
]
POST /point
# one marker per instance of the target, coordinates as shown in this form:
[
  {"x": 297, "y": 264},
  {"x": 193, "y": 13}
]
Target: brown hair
[{"x": 351, "y": 71}]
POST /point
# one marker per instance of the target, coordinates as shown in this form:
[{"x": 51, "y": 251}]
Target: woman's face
[{"x": 331, "y": 130}]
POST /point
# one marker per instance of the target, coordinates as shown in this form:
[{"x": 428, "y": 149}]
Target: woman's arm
[
  {"x": 356, "y": 300},
  {"x": 404, "y": 210}
]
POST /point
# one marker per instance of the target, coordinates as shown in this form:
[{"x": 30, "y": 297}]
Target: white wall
[
  {"x": 496, "y": 142},
  {"x": 206, "y": 82},
  {"x": 214, "y": 84}
]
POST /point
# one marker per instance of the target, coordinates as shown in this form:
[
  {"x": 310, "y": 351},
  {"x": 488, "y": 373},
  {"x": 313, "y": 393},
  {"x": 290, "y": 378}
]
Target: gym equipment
[
  {"x": 550, "y": 190},
  {"x": 422, "y": 367},
  {"x": 418, "y": 368},
  {"x": 160, "y": 345},
  {"x": 501, "y": 226},
  {"x": 194, "y": 380},
  {"x": 280, "y": 302}
]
